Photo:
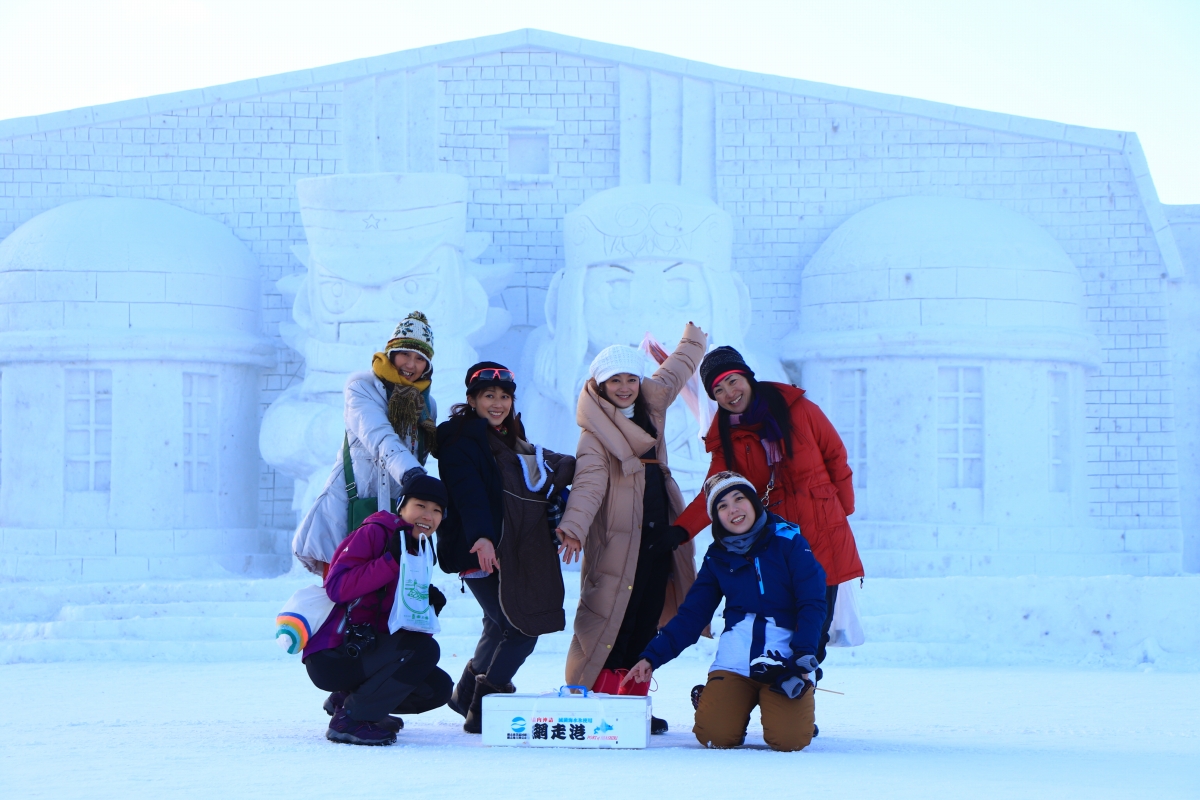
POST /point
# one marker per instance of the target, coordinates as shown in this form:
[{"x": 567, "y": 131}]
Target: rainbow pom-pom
[{"x": 292, "y": 632}]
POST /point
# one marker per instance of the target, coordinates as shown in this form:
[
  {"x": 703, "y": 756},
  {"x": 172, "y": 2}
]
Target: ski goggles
[{"x": 491, "y": 374}]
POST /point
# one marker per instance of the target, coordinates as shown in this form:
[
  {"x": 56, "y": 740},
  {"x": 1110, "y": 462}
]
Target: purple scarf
[{"x": 760, "y": 414}]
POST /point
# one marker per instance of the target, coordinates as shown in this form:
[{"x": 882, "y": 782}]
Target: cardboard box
[{"x": 559, "y": 719}]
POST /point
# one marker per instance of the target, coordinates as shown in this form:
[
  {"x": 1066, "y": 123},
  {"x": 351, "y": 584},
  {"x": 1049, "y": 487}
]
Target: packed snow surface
[{"x": 256, "y": 729}]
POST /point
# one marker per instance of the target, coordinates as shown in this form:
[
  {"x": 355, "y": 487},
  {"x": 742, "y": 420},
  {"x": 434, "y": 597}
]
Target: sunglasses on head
[{"x": 492, "y": 374}]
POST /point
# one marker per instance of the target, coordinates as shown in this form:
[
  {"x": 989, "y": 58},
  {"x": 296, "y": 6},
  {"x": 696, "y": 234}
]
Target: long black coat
[{"x": 489, "y": 499}]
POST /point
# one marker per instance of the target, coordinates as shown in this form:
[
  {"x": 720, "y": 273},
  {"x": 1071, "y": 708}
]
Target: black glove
[
  {"x": 436, "y": 599},
  {"x": 407, "y": 478},
  {"x": 668, "y": 539},
  {"x": 396, "y": 545},
  {"x": 799, "y": 679},
  {"x": 769, "y": 667}
]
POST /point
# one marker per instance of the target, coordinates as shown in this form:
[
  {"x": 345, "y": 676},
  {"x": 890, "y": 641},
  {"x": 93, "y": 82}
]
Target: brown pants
[{"x": 725, "y": 707}]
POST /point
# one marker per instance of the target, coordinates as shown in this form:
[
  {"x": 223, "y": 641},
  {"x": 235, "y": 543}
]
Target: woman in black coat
[{"x": 499, "y": 488}]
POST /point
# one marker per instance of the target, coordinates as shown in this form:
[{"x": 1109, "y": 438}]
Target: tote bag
[
  {"x": 301, "y": 616},
  {"x": 411, "y": 609},
  {"x": 846, "y": 628}
]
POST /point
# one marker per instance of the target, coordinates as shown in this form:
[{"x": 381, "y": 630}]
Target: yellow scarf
[{"x": 384, "y": 369}]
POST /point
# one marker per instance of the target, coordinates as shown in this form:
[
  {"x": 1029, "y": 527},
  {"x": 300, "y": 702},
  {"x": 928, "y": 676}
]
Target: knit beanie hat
[
  {"x": 412, "y": 335},
  {"x": 615, "y": 359},
  {"x": 427, "y": 487},
  {"x": 476, "y": 382},
  {"x": 719, "y": 363},
  {"x": 721, "y": 484}
]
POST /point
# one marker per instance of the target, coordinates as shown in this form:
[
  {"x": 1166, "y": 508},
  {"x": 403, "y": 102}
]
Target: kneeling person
[
  {"x": 774, "y": 594},
  {"x": 371, "y": 672}
]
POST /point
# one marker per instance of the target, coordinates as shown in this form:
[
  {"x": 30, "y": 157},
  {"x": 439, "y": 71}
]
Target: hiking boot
[
  {"x": 658, "y": 726},
  {"x": 334, "y": 702},
  {"x": 483, "y": 687},
  {"x": 393, "y": 724},
  {"x": 347, "y": 730},
  {"x": 460, "y": 698},
  {"x": 696, "y": 692},
  {"x": 816, "y": 731}
]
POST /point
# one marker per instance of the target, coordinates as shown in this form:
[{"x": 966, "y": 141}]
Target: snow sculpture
[
  {"x": 130, "y": 349},
  {"x": 946, "y": 338},
  {"x": 379, "y": 246},
  {"x": 640, "y": 258}
]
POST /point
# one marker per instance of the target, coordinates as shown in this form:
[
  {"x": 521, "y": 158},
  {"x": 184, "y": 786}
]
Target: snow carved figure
[
  {"x": 641, "y": 258},
  {"x": 379, "y": 247}
]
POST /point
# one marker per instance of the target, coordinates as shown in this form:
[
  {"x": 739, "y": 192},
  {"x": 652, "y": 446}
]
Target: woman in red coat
[{"x": 773, "y": 435}]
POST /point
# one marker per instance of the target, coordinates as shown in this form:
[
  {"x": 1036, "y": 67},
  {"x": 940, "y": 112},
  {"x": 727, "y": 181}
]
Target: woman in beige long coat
[{"x": 637, "y": 566}]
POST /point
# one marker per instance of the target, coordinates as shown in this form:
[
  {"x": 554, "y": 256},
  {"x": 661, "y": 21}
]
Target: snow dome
[
  {"x": 130, "y": 346},
  {"x": 947, "y": 340}
]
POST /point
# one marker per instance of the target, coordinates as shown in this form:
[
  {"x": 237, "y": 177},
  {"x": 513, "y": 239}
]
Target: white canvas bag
[
  {"x": 846, "y": 628},
  {"x": 301, "y": 616},
  {"x": 410, "y": 609}
]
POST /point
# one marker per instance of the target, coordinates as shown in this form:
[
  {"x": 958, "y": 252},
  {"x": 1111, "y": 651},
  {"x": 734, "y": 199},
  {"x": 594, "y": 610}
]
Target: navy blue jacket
[
  {"x": 774, "y": 600},
  {"x": 473, "y": 484}
]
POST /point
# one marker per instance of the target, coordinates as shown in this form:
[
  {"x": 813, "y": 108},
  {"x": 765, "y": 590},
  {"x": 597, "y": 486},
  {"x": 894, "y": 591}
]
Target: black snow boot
[
  {"x": 657, "y": 726},
  {"x": 460, "y": 698},
  {"x": 483, "y": 687}
]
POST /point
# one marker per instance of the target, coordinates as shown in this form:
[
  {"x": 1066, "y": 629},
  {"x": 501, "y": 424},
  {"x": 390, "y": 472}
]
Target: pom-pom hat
[
  {"x": 412, "y": 335},
  {"x": 615, "y": 359},
  {"x": 722, "y": 483}
]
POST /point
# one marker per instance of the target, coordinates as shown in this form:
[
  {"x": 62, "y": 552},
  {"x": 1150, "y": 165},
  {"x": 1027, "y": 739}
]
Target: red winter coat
[{"x": 812, "y": 486}]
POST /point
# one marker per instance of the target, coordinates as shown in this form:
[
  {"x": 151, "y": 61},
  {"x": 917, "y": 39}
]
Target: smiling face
[
  {"x": 423, "y": 515},
  {"x": 626, "y": 298},
  {"x": 733, "y": 393},
  {"x": 622, "y": 389},
  {"x": 735, "y": 511},
  {"x": 492, "y": 404},
  {"x": 409, "y": 364}
]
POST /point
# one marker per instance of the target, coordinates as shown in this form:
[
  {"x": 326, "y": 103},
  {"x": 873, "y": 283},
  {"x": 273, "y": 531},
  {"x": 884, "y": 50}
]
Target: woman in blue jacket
[{"x": 774, "y": 594}]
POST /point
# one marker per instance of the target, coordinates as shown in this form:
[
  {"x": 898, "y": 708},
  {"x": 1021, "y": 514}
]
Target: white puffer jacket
[{"x": 372, "y": 441}]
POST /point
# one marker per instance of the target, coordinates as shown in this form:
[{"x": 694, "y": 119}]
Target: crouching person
[
  {"x": 774, "y": 594},
  {"x": 371, "y": 672}
]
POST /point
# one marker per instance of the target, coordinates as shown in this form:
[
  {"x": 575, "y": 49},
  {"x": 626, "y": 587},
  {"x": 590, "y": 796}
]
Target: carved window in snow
[
  {"x": 89, "y": 430},
  {"x": 960, "y": 427},
  {"x": 528, "y": 153},
  {"x": 199, "y": 414},
  {"x": 1060, "y": 406},
  {"x": 850, "y": 418}
]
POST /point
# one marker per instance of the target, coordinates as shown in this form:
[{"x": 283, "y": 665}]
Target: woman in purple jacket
[{"x": 370, "y": 672}]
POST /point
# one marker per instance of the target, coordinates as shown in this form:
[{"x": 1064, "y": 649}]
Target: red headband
[{"x": 725, "y": 375}]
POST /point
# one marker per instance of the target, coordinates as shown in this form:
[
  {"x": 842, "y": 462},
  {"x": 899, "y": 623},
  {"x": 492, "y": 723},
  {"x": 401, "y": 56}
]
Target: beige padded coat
[{"x": 604, "y": 511}]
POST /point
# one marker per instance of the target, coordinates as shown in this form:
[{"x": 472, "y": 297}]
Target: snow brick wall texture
[{"x": 789, "y": 160}]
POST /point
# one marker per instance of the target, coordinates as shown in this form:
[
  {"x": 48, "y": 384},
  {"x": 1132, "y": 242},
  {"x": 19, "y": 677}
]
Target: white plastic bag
[
  {"x": 846, "y": 628},
  {"x": 302, "y": 616},
  {"x": 411, "y": 610}
]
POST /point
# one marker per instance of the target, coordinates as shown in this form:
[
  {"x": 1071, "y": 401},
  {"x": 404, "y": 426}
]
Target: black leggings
[
  {"x": 502, "y": 648},
  {"x": 646, "y": 600},
  {"x": 830, "y": 599},
  {"x": 399, "y": 675}
]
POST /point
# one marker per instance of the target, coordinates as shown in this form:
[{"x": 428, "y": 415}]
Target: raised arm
[
  {"x": 367, "y": 419},
  {"x": 667, "y": 382}
]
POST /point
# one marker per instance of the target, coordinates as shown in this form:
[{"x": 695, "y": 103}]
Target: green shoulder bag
[{"x": 359, "y": 508}]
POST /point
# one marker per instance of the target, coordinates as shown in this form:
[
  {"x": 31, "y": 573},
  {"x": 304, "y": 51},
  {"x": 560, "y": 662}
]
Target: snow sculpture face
[
  {"x": 628, "y": 297},
  {"x": 381, "y": 246},
  {"x": 639, "y": 258}
]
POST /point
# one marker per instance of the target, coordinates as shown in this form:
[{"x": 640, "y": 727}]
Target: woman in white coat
[{"x": 390, "y": 431}]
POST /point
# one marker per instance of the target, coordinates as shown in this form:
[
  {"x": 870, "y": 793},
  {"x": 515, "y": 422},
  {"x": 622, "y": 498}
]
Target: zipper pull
[{"x": 758, "y": 571}]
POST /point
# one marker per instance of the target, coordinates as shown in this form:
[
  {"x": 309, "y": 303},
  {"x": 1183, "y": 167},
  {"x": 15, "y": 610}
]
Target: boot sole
[{"x": 347, "y": 738}]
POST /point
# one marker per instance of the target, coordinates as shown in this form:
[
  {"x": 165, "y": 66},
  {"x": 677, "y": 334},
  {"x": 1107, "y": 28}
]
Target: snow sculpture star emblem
[{"x": 372, "y": 222}]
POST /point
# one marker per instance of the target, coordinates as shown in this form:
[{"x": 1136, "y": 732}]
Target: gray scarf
[{"x": 740, "y": 543}]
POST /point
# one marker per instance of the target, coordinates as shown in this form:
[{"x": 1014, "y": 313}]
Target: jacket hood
[
  {"x": 622, "y": 438},
  {"x": 791, "y": 394}
]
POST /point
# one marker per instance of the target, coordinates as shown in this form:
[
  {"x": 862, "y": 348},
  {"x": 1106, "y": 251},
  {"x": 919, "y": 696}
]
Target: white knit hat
[
  {"x": 718, "y": 483},
  {"x": 615, "y": 359}
]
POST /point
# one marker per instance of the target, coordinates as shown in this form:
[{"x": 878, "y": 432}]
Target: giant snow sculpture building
[{"x": 997, "y": 312}]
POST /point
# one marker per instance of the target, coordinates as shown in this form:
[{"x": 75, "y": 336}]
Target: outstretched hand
[
  {"x": 570, "y": 547},
  {"x": 640, "y": 673},
  {"x": 487, "y": 555}
]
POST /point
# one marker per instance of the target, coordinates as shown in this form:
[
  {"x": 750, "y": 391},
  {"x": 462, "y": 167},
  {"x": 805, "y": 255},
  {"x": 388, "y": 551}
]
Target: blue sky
[{"x": 1120, "y": 65}]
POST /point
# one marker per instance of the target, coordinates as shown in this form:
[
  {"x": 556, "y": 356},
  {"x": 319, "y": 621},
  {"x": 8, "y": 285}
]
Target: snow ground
[{"x": 231, "y": 730}]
